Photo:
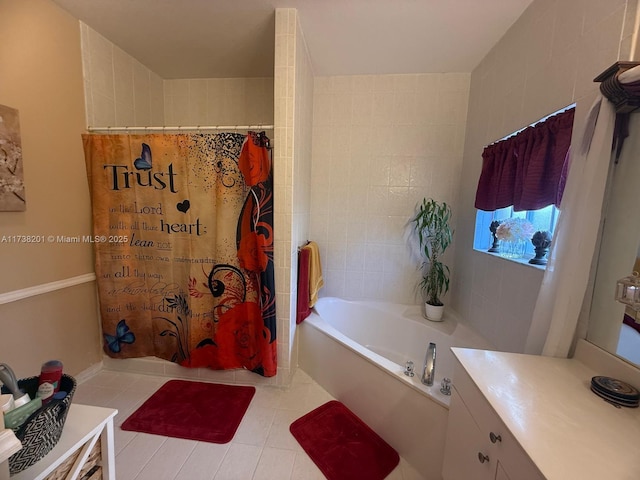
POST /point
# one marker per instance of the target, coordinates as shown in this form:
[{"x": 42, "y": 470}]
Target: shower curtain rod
[{"x": 180, "y": 128}]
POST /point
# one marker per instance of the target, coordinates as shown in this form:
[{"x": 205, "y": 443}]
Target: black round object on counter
[{"x": 615, "y": 391}]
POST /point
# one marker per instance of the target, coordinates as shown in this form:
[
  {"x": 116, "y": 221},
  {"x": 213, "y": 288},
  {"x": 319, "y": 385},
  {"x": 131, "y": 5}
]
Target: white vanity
[
  {"x": 526, "y": 417},
  {"x": 87, "y": 439}
]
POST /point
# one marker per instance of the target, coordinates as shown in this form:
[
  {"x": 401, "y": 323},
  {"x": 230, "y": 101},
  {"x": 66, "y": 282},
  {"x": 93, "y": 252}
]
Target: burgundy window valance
[{"x": 529, "y": 169}]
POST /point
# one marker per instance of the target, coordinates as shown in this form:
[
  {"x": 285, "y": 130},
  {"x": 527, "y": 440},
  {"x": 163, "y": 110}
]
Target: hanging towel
[
  {"x": 315, "y": 272},
  {"x": 303, "y": 310}
]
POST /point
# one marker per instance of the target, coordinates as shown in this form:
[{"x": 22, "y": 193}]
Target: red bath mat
[
  {"x": 343, "y": 446},
  {"x": 208, "y": 412}
]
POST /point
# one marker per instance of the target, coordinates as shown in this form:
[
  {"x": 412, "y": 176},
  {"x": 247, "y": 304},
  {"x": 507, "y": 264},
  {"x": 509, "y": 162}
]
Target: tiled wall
[
  {"x": 301, "y": 208},
  {"x": 218, "y": 101},
  {"x": 293, "y": 86},
  {"x": 119, "y": 90},
  {"x": 381, "y": 143},
  {"x": 547, "y": 60}
]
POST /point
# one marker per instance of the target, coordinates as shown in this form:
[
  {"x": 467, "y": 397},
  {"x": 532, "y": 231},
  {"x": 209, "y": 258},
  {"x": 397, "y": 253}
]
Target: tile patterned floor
[{"x": 262, "y": 448}]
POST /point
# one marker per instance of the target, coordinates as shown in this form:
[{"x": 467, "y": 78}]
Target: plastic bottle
[{"x": 49, "y": 382}]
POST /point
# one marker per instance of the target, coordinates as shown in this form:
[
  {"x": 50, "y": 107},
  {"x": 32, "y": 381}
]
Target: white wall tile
[
  {"x": 384, "y": 141},
  {"x": 104, "y": 109},
  {"x": 125, "y": 114},
  {"x": 119, "y": 90},
  {"x": 123, "y": 77}
]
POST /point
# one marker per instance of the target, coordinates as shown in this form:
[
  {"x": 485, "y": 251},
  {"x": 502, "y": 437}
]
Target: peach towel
[{"x": 315, "y": 272}]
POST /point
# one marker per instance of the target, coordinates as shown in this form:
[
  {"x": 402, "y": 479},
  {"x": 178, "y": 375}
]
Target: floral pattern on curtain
[{"x": 183, "y": 237}]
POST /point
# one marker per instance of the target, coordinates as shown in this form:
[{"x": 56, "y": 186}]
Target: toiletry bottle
[{"x": 49, "y": 382}]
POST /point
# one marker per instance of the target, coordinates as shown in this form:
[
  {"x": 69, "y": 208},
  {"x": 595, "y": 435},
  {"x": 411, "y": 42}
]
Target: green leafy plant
[{"x": 431, "y": 224}]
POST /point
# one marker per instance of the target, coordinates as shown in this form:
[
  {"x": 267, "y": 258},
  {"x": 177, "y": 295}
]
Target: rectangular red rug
[
  {"x": 343, "y": 446},
  {"x": 208, "y": 412}
]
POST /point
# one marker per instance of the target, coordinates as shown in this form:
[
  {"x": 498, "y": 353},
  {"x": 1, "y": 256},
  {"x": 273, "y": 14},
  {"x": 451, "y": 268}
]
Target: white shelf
[
  {"x": 84, "y": 425},
  {"x": 9, "y": 444}
]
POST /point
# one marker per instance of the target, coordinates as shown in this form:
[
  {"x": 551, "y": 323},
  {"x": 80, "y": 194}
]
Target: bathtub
[{"x": 357, "y": 351}]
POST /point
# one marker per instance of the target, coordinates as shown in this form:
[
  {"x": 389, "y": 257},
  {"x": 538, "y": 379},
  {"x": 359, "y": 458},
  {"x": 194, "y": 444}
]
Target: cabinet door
[
  {"x": 466, "y": 454},
  {"x": 500, "y": 473}
]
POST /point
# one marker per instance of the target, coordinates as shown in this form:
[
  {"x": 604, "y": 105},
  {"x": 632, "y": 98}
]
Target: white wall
[
  {"x": 42, "y": 79},
  {"x": 381, "y": 143},
  {"x": 547, "y": 60}
]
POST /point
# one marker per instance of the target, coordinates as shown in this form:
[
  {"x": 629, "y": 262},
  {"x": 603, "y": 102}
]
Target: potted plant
[{"x": 431, "y": 223}]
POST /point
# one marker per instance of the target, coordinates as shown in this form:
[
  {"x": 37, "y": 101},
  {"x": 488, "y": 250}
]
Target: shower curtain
[{"x": 183, "y": 239}]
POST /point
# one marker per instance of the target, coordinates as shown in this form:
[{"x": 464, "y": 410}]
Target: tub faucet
[{"x": 429, "y": 370}]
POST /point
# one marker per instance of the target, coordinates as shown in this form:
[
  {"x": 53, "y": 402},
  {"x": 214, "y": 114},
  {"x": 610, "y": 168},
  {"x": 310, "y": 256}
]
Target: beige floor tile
[
  {"x": 168, "y": 460},
  {"x": 267, "y": 397},
  {"x": 133, "y": 458},
  {"x": 95, "y": 395},
  {"x": 279, "y": 435},
  {"x": 295, "y": 398},
  {"x": 316, "y": 396},
  {"x": 305, "y": 469},
  {"x": 122, "y": 438},
  {"x": 239, "y": 462},
  {"x": 147, "y": 383},
  {"x": 255, "y": 425},
  {"x": 204, "y": 461},
  {"x": 300, "y": 376},
  {"x": 274, "y": 464}
]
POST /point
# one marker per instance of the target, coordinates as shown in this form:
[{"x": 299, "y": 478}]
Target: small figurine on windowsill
[
  {"x": 541, "y": 242},
  {"x": 495, "y": 247}
]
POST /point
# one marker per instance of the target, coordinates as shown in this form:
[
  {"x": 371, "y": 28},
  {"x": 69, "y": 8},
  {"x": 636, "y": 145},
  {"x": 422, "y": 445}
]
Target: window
[
  {"x": 523, "y": 176},
  {"x": 542, "y": 219}
]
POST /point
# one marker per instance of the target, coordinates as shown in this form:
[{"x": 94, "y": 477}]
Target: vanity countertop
[{"x": 547, "y": 404}]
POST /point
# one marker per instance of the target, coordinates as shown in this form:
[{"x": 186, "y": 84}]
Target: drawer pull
[
  {"x": 482, "y": 457},
  {"x": 494, "y": 438}
]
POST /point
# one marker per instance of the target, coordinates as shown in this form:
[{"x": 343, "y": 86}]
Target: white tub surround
[
  {"x": 554, "y": 425},
  {"x": 357, "y": 351}
]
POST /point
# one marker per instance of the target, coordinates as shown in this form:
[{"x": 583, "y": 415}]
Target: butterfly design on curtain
[
  {"x": 144, "y": 161},
  {"x": 123, "y": 335}
]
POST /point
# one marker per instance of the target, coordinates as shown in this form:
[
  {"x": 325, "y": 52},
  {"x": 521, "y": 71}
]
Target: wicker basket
[
  {"x": 91, "y": 470},
  {"x": 42, "y": 430}
]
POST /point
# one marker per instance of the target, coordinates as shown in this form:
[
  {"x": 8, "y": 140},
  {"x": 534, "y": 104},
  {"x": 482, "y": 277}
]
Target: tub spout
[{"x": 429, "y": 370}]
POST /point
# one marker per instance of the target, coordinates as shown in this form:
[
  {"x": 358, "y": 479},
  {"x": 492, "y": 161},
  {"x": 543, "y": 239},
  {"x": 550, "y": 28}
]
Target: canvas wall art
[{"x": 12, "y": 197}]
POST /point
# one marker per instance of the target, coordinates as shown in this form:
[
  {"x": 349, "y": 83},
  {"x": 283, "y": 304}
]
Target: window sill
[{"x": 522, "y": 261}]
